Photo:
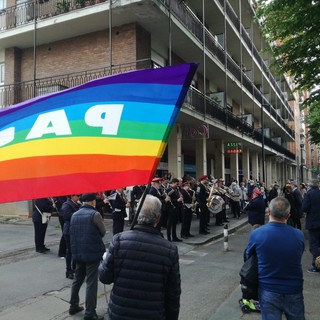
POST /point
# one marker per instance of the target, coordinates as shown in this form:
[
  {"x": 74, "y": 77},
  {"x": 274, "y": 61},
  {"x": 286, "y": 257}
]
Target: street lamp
[{"x": 262, "y": 144}]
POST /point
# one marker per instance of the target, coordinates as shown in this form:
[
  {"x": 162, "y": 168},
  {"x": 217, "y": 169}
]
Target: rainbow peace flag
[{"x": 105, "y": 134}]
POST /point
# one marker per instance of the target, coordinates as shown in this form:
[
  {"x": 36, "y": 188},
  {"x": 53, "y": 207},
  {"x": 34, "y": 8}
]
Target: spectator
[
  {"x": 68, "y": 208},
  {"x": 86, "y": 232},
  {"x": 144, "y": 270},
  {"x": 279, "y": 250},
  {"x": 311, "y": 205},
  {"x": 256, "y": 209}
]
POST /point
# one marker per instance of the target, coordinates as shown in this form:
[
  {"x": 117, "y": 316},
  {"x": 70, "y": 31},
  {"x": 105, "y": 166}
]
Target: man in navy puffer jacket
[{"x": 144, "y": 268}]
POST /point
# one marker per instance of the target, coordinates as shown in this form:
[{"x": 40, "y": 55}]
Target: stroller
[{"x": 249, "y": 285}]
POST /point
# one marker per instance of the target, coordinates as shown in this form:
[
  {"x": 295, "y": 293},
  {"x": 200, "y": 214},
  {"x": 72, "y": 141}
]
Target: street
[{"x": 33, "y": 286}]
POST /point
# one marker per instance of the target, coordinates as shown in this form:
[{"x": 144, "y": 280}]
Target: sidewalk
[{"x": 41, "y": 289}]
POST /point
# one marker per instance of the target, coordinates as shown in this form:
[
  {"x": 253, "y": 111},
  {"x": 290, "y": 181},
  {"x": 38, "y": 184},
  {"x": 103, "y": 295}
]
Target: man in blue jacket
[
  {"x": 279, "y": 248},
  {"x": 311, "y": 205},
  {"x": 144, "y": 269},
  {"x": 86, "y": 232}
]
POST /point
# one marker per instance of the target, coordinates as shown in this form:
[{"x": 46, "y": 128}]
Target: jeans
[
  {"x": 314, "y": 235},
  {"x": 273, "y": 305},
  {"x": 91, "y": 271}
]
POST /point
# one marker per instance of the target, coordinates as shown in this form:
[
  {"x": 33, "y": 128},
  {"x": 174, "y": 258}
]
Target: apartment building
[{"x": 239, "y": 120}]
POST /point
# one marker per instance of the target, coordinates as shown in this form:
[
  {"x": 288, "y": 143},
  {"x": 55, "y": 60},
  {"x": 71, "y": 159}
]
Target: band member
[
  {"x": 119, "y": 205},
  {"x": 187, "y": 195},
  {"x": 136, "y": 194},
  {"x": 202, "y": 199},
  {"x": 222, "y": 215},
  {"x": 235, "y": 199},
  {"x": 172, "y": 210},
  {"x": 158, "y": 192}
]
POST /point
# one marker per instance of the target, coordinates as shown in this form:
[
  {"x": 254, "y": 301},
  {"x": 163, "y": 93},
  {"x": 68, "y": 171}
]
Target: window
[{"x": 3, "y": 4}]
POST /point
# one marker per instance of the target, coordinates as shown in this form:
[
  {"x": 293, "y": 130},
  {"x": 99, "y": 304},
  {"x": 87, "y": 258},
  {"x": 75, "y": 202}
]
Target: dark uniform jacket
[
  {"x": 144, "y": 268},
  {"x": 256, "y": 211},
  {"x": 119, "y": 208},
  {"x": 67, "y": 210},
  {"x": 44, "y": 205},
  {"x": 86, "y": 240},
  {"x": 311, "y": 205},
  {"x": 202, "y": 195}
]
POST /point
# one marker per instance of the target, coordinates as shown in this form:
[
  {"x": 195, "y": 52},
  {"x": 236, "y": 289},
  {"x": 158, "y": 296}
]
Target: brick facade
[{"x": 129, "y": 43}]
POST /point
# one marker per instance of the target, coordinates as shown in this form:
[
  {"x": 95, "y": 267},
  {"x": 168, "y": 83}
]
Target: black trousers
[
  {"x": 172, "y": 224},
  {"x": 186, "y": 221},
  {"x": 203, "y": 217},
  {"x": 39, "y": 234}
]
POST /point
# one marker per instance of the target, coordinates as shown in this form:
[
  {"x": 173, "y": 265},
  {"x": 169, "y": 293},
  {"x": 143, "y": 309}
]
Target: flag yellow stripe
[{"x": 82, "y": 145}]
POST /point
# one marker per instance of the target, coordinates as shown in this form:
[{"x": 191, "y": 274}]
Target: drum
[{"x": 217, "y": 205}]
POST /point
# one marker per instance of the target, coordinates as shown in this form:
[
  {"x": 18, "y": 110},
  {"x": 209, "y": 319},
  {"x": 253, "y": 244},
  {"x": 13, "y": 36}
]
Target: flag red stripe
[
  {"x": 16, "y": 190},
  {"x": 38, "y": 167}
]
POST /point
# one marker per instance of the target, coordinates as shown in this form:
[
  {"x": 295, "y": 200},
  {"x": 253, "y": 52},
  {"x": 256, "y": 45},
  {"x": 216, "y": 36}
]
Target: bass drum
[{"x": 217, "y": 205}]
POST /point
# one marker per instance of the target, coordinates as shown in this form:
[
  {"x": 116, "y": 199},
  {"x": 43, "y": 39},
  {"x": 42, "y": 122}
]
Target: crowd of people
[{"x": 168, "y": 202}]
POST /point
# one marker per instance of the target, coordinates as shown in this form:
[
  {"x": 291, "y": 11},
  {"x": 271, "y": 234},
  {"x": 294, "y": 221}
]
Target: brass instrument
[
  {"x": 213, "y": 190},
  {"x": 193, "y": 203},
  {"x": 224, "y": 192}
]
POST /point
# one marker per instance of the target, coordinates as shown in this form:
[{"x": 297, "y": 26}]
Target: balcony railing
[
  {"x": 195, "y": 101},
  {"x": 24, "y": 13},
  {"x": 18, "y": 92},
  {"x": 194, "y": 25}
]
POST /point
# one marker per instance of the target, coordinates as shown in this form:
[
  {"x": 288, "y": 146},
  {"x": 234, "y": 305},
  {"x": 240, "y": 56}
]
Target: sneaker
[{"x": 313, "y": 270}]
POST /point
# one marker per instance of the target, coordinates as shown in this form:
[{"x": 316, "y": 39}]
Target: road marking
[
  {"x": 186, "y": 262},
  {"x": 196, "y": 253}
]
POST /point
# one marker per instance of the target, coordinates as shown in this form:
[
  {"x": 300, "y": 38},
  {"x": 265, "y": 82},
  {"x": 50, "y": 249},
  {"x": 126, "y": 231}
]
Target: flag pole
[{"x": 143, "y": 197}]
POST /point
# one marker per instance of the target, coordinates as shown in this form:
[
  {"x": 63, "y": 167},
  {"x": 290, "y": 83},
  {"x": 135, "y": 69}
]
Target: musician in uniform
[
  {"x": 202, "y": 199},
  {"x": 234, "y": 191},
  {"x": 188, "y": 202},
  {"x": 172, "y": 210},
  {"x": 136, "y": 194},
  {"x": 119, "y": 205},
  {"x": 222, "y": 215},
  {"x": 158, "y": 192}
]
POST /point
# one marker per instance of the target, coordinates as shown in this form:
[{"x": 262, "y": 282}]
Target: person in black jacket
[
  {"x": 256, "y": 209},
  {"x": 86, "y": 232},
  {"x": 41, "y": 206},
  {"x": 68, "y": 208},
  {"x": 144, "y": 270},
  {"x": 311, "y": 205}
]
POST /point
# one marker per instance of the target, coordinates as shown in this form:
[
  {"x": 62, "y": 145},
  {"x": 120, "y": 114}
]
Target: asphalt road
[{"x": 33, "y": 286}]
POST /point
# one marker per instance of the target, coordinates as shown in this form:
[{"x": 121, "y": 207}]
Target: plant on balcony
[
  {"x": 80, "y": 3},
  {"x": 88, "y": 3},
  {"x": 63, "y": 7}
]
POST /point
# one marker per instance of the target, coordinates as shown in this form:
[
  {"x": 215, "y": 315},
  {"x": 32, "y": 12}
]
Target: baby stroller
[{"x": 249, "y": 285}]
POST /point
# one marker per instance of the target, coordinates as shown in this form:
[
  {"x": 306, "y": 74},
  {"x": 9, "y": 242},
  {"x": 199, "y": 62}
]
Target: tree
[{"x": 292, "y": 28}]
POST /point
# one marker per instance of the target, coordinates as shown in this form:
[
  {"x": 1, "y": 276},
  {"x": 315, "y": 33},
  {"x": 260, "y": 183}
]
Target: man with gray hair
[
  {"x": 144, "y": 270},
  {"x": 279, "y": 248},
  {"x": 311, "y": 205}
]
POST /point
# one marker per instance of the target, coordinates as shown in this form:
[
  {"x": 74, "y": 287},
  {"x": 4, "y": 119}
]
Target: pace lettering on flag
[{"x": 105, "y": 134}]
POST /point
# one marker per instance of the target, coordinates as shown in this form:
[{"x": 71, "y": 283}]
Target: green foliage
[
  {"x": 293, "y": 25},
  {"x": 63, "y": 6}
]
